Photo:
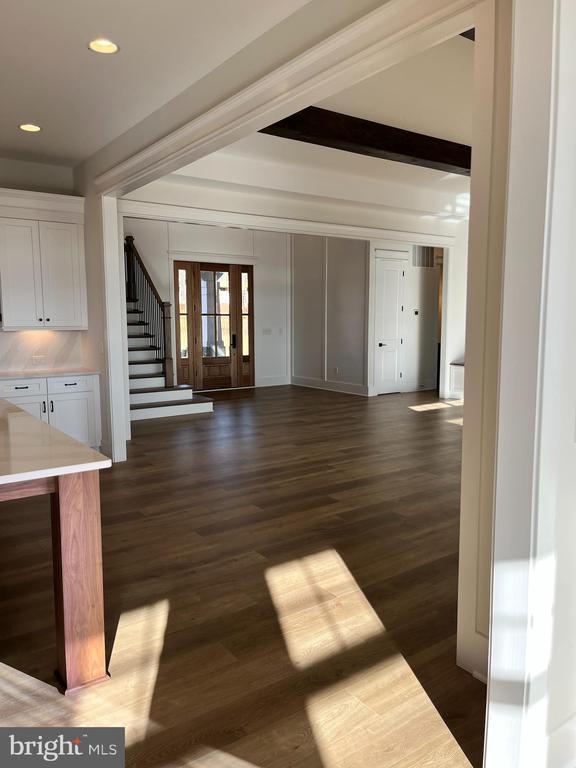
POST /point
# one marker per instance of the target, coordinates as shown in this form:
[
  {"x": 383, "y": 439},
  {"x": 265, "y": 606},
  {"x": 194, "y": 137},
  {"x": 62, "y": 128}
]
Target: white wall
[
  {"x": 160, "y": 243},
  {"x": 454, "y": 319},
  {"x": 329, "y": 310},
  {"x": 38, "y": 177},
  {"x": 308, "y": 308}
]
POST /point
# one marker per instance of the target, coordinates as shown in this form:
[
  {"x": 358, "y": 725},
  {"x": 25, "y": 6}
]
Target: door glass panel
[
  {"x": 223, "y": 330},
  {"x": 208, "y": 336},
  {"x": 245, "y": 336},
  {"x": 222, "y": 293},
  {"x": 207, "y": 291},
  {"x": 183, "y": 336},
  {"x": 182, "y": 295},
  {"x": 245, "y": 294}
]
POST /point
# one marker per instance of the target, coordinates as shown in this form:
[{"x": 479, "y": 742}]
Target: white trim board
[
  {"x": 19, "y": 204},
  {"x": 344, "y": 387},
  {"x": 166, "y": 212}
]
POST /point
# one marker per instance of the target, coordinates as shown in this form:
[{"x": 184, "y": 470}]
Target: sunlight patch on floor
[
  {"x": 429, "y": 407},
  {"x": 370, "y": 709},
  {"x": 133, "y": 668},
  {"x": 320, "y": 608},
  {"x": 459, "y": 422}
]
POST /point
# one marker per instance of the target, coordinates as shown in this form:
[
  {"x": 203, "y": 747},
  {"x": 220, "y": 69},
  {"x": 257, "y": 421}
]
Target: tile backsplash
[{"x": 27, "y": 350}]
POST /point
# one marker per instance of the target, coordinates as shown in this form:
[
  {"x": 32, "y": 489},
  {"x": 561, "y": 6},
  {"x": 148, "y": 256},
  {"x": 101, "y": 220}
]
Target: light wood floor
[{"x": 280, "y": 585}]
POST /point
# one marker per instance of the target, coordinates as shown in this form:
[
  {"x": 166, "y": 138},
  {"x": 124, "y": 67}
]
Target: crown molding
[
  {"x": 20, "y": 204},
  {"x": 165, "y": 212}
]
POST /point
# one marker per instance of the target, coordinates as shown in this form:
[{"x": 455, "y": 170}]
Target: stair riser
[
  {"x": 137, "y": 330},
  {"x": 143, "y": 342},
  {"x": 174, "y": 410},
  {"x": 146, "y": 368},
  {"x": 145, "y": 354},
  {"x": 148, "y": 382},
  {"x": 131, "y": 305},
  {"x": 160, "y": 397}
]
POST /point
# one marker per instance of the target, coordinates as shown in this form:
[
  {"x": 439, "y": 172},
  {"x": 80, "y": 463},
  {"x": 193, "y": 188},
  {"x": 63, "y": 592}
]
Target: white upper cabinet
[
  {"x": 42, "y": 275},
  {"x": 20, "y": 274},
  {"x": 63, "y": 275}
]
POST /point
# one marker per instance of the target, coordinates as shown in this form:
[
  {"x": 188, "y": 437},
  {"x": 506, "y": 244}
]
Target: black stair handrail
[{"x": 141, "y": 290}]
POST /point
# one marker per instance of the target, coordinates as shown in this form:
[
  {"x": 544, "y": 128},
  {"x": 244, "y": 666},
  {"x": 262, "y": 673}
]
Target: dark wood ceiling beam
[{"x": 364, "y": 137}]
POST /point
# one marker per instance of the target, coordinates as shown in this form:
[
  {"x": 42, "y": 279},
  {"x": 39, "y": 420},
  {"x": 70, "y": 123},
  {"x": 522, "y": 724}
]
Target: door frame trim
[{"x": 404, "y": 253}]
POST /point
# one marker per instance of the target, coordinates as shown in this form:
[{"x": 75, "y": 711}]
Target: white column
[
  {"x": 532, "y": 690},
  {"x": 107, "y": 331},
  {"x": 486, "y": 237}
]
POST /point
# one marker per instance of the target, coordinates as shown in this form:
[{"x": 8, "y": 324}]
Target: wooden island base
[
  {"x": 35, "y": 460},
  {"x": 78, "y": 583}
]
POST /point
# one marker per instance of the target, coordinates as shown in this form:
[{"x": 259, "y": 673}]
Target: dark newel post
[
  {"x": 168, "y": 360},
  {"x": 130, "y": 269}
]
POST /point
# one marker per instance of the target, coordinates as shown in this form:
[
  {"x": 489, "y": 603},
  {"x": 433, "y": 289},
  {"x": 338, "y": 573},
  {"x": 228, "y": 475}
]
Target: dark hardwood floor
[{"x": 280, "y": 587}]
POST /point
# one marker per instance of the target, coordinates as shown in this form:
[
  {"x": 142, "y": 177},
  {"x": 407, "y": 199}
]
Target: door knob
[{"x": 382, "y": 345}]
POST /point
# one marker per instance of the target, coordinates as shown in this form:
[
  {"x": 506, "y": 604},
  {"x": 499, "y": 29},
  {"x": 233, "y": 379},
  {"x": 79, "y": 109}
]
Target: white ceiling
[
  {"x": 430, "y": 93},
  {"x": 83, "y": 100}
]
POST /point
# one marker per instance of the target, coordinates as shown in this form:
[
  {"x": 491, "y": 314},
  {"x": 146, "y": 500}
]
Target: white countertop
[
  {"x": 42, "y": 373},
  {"x": 30, "y": 449}
]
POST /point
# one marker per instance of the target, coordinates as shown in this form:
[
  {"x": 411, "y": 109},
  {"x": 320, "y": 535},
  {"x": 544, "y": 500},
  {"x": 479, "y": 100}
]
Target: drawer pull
[
  {"x": 73, "y": 384},
  {"x": 26, "y": 387},
  {"x": 43, "y": 406},
  {"x": 51, "y": 406}
]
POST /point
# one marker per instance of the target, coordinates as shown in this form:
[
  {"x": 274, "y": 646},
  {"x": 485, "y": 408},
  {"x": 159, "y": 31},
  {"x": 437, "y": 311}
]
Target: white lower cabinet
[
  {"x": 67, "y": 402},
  {"x": 73, "y": 414},
  {"x": 36, "y": 405}
]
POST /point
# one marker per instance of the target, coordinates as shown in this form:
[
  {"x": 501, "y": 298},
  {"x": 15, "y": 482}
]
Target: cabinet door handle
[
  {"x": 47, "y": 319},
  {"x": 51, "y": 406},
  {"x": 43, "y": 406},
  {"x": 72, "y": 384},
  {"x": 40, "y": 319},
  {"x": 26, "y": 387}
]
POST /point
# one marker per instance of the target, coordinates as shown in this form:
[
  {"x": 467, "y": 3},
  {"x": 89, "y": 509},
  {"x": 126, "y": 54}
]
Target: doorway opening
[
  {"x": 407, "y": 329},
  {"x": 214, "y": 325}
]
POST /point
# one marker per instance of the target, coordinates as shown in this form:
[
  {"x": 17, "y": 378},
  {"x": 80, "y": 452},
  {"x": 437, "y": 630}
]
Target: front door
[
  {"x": 214, "y": 325},
  {"x": 388, "y": 311}
]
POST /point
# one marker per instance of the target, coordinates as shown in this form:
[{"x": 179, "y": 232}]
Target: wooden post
[
  {"x": 78, "y": 583},
  {"x": 130, "y": 273},
  {"x": 168, "y": 359}
]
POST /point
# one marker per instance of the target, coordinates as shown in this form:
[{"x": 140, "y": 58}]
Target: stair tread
[
  {"x": 140, "y": 335},
  {"x": 135, "y": 311},
  {"x": 149, "y": 390},
  {"x": 143, "y": 349},
  {"x": 153, "y": 360},
  {"x": 146, "y": 376},
  {"x": 196, "y": 400},
  {"x": 139, "y": 323}
]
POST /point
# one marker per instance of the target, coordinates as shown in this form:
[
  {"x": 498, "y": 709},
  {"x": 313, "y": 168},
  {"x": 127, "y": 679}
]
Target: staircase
[{"x": 153, "y": 393}]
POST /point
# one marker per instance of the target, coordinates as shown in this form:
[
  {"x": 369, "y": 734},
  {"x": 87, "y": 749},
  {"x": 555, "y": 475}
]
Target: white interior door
[
  {"x": 388, "y": 312},
  {"x": 62, "y": 275},
  {"x": 21, "y": 274}
]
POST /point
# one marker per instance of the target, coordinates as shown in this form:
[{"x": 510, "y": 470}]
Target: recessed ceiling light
[
  {"x": 102, "y": 45},
  {"x": 30, "y": 128}
]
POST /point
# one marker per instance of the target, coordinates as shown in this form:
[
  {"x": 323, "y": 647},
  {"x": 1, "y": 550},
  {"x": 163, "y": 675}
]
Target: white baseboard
[
  {"x": 345, "y": 387},
  {"x": 272, "y": 381},
  {"x": 455, "y": 394}
]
